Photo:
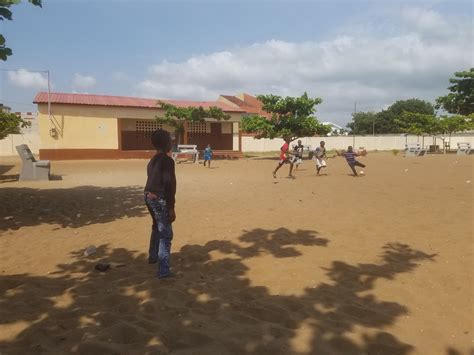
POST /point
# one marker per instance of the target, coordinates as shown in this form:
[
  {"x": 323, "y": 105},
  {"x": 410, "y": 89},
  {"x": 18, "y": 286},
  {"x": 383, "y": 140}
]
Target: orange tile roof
[
  {"x": 249, "y": 104},
  {"x": 123, "y": 101}
]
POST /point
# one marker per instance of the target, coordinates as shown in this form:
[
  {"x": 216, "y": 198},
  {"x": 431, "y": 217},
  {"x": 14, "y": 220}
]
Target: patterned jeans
[{"x": 161, "y": 235}]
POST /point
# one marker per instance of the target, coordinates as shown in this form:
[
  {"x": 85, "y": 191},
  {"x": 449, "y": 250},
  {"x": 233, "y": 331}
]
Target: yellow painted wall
[
  {"x": 77, "y": 131},
  {"x": 89, "y": 127}
]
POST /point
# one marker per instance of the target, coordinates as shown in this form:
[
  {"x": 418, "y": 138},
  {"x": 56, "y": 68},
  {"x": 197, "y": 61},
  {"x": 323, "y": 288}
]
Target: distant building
[
  {"x": 5, "y": 109},
  {"x": 31, "y": 117},
  {"x": 85, "y": 126},
  {"x": 336, "y": 130},
  {"x": 250, "y": 104}
]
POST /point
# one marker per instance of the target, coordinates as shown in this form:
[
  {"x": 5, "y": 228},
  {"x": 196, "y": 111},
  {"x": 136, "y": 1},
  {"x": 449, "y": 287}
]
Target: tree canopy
[
  {"x": 418, "y": 123},
  {"x": 177, "y": 116},
  {"x": 363, "y": 122},
  {"x": 388, "y": 121},
  {"x": 461, "y": 98},
  {"x": 291, "y": 117},
  {"x": 456, "y": 123},
  {"x": 6, "y": 14},
  {"x": 431, "y": 125},
  {"x": 10, "y": 123}
]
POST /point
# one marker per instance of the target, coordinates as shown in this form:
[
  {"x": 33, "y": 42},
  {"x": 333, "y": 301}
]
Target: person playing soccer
[
  {"x": 298, "y": 153},
  {"x": 160, "y": 190},
  {"x": 351, "y": 160},
  {"x": 284, "y": 158},
  {"x": 320, "y": 156},
  {"x": 208, "y": 155}
]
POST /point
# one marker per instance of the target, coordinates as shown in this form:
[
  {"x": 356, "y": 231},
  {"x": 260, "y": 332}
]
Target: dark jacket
[{"x": 161, "y": 178}]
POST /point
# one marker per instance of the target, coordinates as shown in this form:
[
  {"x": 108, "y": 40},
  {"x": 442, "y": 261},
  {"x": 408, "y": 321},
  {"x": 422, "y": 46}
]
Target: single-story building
[
  {"x": 82, "y": 126},
  {"x": 335, "y": 129},
  {"x": 250, "y": 104}
]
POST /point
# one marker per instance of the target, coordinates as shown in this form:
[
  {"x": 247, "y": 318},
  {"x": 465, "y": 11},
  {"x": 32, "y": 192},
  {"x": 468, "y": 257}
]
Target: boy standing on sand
[
  {"x": 207, "y": 155},
  {"x": 160, "y": 190},
  {"x": 320, "y": 155},
  {"x": 351, "y": 160},
  {"x": 284, "y": 159}
]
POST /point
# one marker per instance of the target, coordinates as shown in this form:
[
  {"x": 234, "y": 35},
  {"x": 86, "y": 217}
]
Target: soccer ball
[{"x": 361, "y": 172}]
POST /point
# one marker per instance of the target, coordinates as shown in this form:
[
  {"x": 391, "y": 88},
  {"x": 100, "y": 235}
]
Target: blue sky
[{"x": 372, "y": 52}]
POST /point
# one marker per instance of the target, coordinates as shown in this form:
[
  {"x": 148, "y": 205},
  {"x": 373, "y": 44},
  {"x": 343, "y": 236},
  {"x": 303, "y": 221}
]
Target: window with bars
[
  {"x": 198, "y": 127},
  {"x": 146, "y": 128}
]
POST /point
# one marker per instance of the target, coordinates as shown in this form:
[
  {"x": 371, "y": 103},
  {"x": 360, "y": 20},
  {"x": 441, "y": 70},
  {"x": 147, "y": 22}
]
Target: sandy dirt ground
[{"x": 380, "y": 264}]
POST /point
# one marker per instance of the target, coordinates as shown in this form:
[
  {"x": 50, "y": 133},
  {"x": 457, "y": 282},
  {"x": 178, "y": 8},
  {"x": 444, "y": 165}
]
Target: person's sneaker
[
  {"x": 152, "y": 261},
  {"x": 274, "y": 175}
]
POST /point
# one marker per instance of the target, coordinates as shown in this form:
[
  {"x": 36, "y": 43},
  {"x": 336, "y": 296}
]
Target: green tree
[
  {"x": 456, "y": 123},
  {"x": 386, "y": 121},
  {"x": 291, "y": 117},
  {"x": 461, "y": 98},
  {"x": 6, "y": 14},
  {"x": 177, "y": 116},
  {"x": 412, "y": 105},
  {"x": 10, "y": 123},
  {"x": 419, "y": 123},
  {"x": 430, "y": 125},
  {"x": 363, "y": 123}
]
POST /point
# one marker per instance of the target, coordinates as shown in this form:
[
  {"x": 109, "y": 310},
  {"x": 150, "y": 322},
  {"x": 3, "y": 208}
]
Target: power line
[
  {"x": 16, "y": 102},
  {"x": 28, "y": 70}
]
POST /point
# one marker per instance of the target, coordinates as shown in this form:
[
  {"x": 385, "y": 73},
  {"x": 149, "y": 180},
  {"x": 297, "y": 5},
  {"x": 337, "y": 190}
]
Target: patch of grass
[{"x": 395, "y": 152}]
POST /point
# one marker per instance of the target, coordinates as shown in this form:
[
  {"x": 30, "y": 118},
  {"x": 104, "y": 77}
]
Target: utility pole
[
  {"x": 354, "y": 126},
  {"x": 49, "y": 95}
]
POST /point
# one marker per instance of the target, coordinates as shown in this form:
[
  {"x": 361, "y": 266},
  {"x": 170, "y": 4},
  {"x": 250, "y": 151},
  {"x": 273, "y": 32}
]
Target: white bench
[
  {"x": 186, "y": 149},
  {"x": 414, "y": 150},
  {"x": 464, "y": 148}
]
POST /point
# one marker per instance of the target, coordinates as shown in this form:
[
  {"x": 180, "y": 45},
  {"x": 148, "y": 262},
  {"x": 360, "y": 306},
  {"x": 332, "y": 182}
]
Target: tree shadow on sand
[
  {"x": 452, "y": 351},
  {"x": 209, "y": 307},
  {"x": 70, "y": 207},
  {"x": 4, "y": 169}
]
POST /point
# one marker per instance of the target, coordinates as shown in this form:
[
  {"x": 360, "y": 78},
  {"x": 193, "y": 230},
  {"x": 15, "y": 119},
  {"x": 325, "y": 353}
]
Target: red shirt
[{"x": 284, "y": 149}]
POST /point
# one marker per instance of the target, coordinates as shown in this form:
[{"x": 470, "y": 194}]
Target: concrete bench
[
  {"x": 186, "y": 149},
  {"x": 32, "y": 169},
  {"x": 414, "y": 150},
  {"x": 464, "y": 148}
]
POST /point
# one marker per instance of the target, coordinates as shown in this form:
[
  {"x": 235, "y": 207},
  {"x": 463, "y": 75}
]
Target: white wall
[
  {"x": 250, "y": 144},
  {"x": 7, "y": 145}
]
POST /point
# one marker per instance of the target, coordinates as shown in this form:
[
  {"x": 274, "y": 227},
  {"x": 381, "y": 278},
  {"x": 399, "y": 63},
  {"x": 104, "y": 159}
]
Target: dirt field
[{"x": 380, "y": 264}]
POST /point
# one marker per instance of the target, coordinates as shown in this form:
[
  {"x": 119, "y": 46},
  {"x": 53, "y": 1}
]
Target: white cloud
[
  {"x": 27, "y": 79},
  {"x": 83, "y": 81},
  {"x": 371, "y": 68}
]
